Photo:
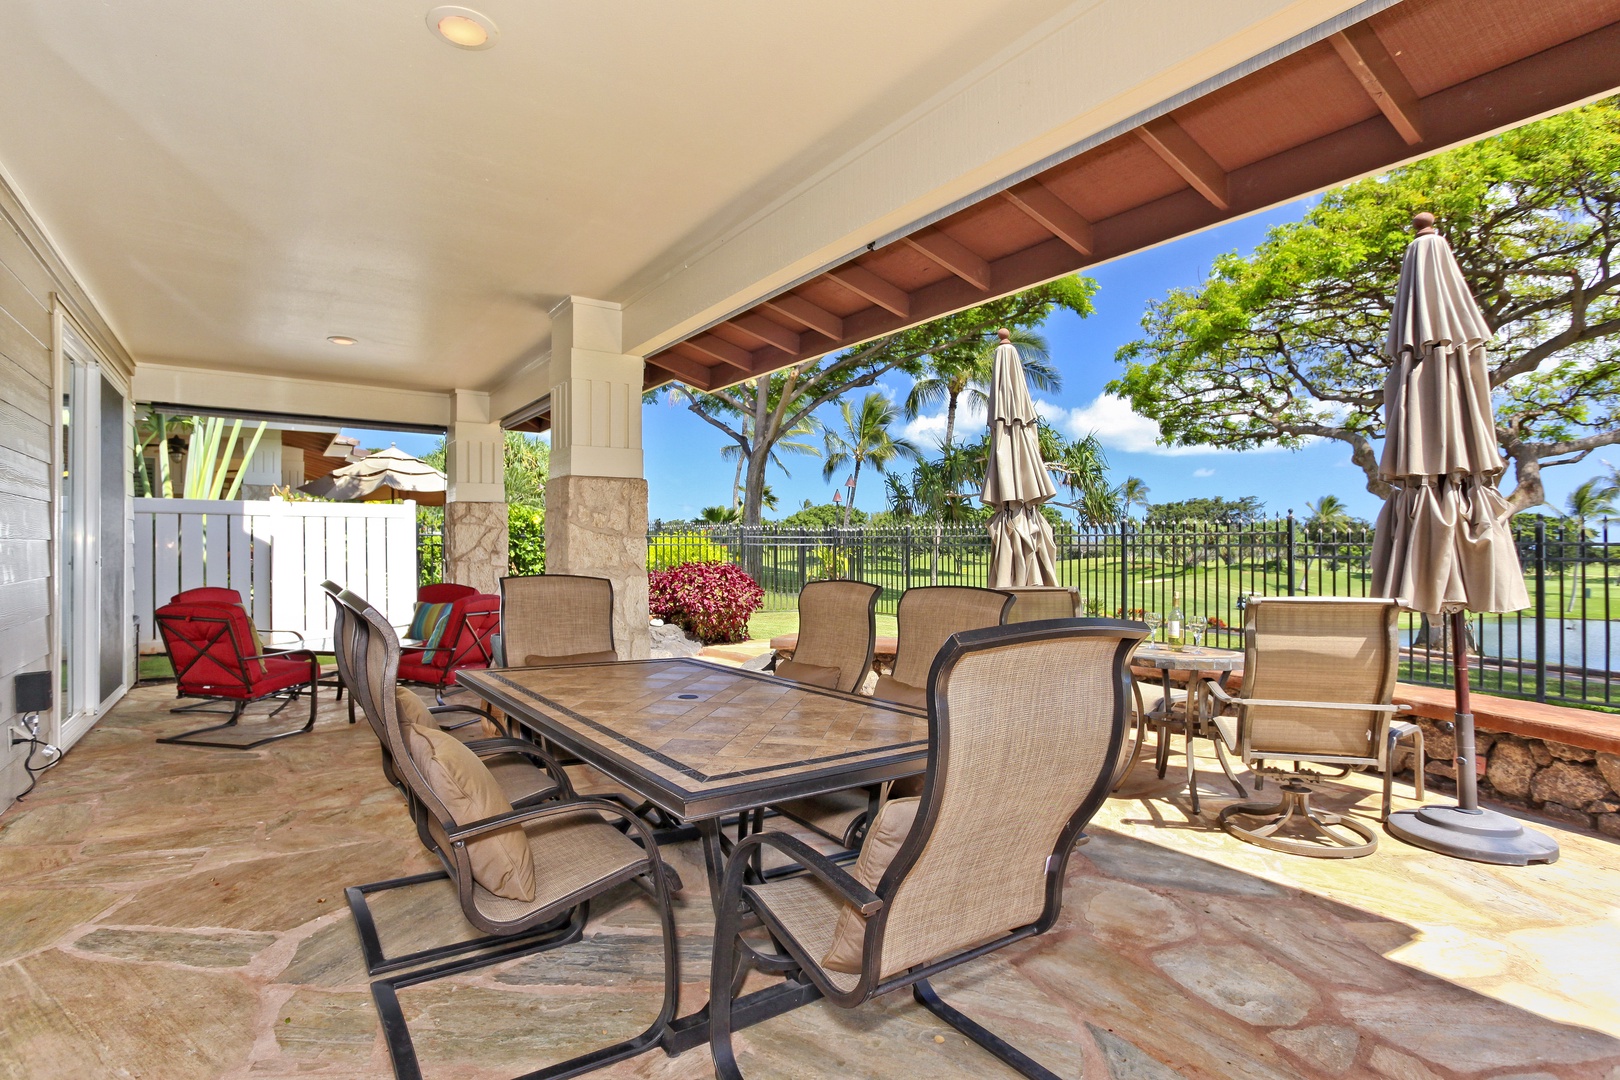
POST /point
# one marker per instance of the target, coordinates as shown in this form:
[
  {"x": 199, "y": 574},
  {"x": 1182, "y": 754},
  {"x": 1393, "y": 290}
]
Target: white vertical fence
[{"x": 276, "y": 554}]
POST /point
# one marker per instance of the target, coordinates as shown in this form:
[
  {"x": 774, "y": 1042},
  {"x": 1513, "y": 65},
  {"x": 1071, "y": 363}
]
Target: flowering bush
[{"x": 709, "y": 600}]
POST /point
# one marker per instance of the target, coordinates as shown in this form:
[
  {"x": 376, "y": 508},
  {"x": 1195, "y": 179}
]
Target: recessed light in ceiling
[
  {"x": 463, "y": 27},
  {"x": 342, "y": 339}
]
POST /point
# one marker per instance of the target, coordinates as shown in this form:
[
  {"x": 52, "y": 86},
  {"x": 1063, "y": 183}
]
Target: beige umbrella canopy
[
  {"x": 1443, "y": 544},
  {"x": 386, "y": 475},
  {"x": 1016, "y": 482}
]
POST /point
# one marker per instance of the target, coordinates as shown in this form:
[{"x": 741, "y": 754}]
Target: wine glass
[
  {"x": 1196, "y": 626},
  {"x": 1154, "y": 620}
]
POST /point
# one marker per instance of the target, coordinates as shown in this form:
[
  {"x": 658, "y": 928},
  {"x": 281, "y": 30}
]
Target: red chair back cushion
[
  {"x": 444, "y": 593},
  {"x": 207, "y": 644},
  {"x": 467, "y": 631},
  {"x": 208, "y": 595}
]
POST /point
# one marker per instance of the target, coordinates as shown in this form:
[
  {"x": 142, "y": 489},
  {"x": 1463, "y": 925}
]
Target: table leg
[{"x": 714, "y": 856}]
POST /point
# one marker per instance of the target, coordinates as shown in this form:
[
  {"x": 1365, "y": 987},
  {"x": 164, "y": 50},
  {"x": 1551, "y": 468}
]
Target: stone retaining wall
[{"x": 1566, "y": 783}]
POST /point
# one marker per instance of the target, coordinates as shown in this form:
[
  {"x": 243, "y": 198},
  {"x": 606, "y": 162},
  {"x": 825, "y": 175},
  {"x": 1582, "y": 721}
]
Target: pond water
[{"x": 1590, "y": 644}]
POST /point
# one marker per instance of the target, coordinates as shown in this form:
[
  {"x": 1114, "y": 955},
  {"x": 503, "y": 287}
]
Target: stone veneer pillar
[
  {"x": 475, "y": 528},
  {"x": 596, "y": 498}
]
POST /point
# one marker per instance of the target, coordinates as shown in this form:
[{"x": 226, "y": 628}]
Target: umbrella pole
[{"x": 1465, "y": 831}]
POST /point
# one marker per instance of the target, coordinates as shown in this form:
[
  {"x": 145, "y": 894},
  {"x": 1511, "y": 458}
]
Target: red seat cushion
[
  {"x": 415, "y": 671},
  {"x": 284, "y": 672}
]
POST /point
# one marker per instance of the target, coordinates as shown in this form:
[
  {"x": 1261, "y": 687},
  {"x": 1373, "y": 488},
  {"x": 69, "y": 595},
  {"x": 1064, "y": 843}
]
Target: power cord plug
[{"x": 28, "y": 732}]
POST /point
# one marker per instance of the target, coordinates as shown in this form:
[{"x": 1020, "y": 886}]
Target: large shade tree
[
  {"x": 1286, "y": 345},
  {"x": 775, "y": 406}
]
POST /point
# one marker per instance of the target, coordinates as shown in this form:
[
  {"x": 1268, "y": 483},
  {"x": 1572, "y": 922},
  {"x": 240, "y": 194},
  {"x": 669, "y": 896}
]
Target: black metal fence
[{"x": 1559, "y": 650}]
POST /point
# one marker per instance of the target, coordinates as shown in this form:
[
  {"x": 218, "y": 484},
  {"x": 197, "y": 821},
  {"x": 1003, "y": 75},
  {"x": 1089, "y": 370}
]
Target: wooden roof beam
[
  {"x": 1054, "y": 215},
  {"x": 1192, "y": 162},
  {"x": 863, "y": 283},
  {"x": 810, "y": 316},
  {"x": 767, "y": 332},
  {"x": 688, "y": 371},
  {"x": 951, "y": 255},
  {"x": 1370, "y": 62},
  {"x": 723, "y": 351}
]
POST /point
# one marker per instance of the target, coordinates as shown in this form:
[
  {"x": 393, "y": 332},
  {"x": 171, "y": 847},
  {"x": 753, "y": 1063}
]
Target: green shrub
[
  {"x": 526, "y": 540},
  {"x": 673, "y": 549}
]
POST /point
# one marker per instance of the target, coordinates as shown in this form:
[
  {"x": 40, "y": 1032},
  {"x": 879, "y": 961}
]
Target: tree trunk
[
  {"x": 736, "y": 482},
  {"x": 855, "y": 478},
  {"x": 754, "y": 490}
]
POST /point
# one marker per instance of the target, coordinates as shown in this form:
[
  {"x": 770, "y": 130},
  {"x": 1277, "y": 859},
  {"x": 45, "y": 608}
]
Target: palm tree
[
  {"x": 1327, "y": 514},
  {"x": 902, "y": 503},
  {"x": 865, "y": 438},
  {"x": 1082, "y": 467},
  {"x": 1595, "y": 498},
  {"x": 789, "y": 443},
  {"x": 718, "y": 515},
  {"x": 1133, "y": 492},
  {"x": 963, "y": 373}
]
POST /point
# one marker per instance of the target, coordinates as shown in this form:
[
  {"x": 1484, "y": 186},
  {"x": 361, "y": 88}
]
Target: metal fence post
[
  {"x": 1541, "y": 609},
  {"x": 1291, "y": 584},
  {"x": 905, "y": 554},
  {"x": 1124, "y": 568}
]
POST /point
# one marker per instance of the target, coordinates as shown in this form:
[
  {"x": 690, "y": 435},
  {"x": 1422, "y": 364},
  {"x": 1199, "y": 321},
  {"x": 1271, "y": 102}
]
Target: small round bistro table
[{"x": 1201, "y": 663}]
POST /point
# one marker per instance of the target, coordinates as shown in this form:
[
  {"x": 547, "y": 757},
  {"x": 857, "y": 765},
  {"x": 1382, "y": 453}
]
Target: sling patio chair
[
  {"x": 1036, "y": 603},
  {"x": 837, "y": 632},
  {"x": 218, "y": 656},
  {"x": 925, "y": 617},
  {"x": 1024, "y": 725},
  {"x": 525, "y": 773},
  {"x": 524, "y": 877},
  {"x": 1318, "y": 684},
  {"x": 552, "y": 619}
]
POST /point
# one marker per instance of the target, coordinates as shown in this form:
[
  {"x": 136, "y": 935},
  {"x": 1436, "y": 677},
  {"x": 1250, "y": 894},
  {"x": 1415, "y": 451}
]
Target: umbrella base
[{"x": 1480, "y": 835}]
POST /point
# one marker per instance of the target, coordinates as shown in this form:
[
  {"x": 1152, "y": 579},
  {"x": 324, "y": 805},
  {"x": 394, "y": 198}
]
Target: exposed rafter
[
  {"x": 862, "y": 282},
  {"x": 688, "y": 371},
  {"x": 1179, "y": 150},
  {"x": 1370, "y": 62},
  {"x": 1052, "y": 214},
  {"x": 945, "y": 252},
  {"x": 767, "y": 332},
  {"x": 810, "y": 316},
  {"x": 724, "y": 351}
]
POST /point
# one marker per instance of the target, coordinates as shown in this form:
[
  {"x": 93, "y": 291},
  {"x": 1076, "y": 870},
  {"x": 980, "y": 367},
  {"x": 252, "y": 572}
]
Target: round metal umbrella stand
[{"x": 1443, "y": 544}]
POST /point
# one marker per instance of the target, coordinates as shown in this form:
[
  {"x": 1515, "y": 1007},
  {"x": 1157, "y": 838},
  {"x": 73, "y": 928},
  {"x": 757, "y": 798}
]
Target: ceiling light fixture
[
  {"x": 463, "y": 27},
  {"x": 343, "y": 339}
]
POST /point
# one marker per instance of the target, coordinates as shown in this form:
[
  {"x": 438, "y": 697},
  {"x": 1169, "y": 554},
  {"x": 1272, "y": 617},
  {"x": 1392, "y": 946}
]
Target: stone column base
[
  {"x": 597, "y": 526},
  {"x": 475, "y": 543}
]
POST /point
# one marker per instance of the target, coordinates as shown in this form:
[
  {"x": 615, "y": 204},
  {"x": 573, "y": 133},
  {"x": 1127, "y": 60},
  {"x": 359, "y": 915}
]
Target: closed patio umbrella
[
  {"x": 1443, "y": 544},
  {"x": 1016, "y": 482},
  {"x": 387, "y": 474}
]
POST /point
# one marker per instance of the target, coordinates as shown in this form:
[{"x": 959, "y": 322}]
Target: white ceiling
[{"x": 235, "y": 181}]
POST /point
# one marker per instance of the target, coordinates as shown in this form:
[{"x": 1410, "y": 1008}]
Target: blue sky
[{"x": 686, "y": 473}]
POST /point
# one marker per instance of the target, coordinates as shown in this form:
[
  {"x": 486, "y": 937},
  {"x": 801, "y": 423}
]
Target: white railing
[{"x": 276, "y": 554}]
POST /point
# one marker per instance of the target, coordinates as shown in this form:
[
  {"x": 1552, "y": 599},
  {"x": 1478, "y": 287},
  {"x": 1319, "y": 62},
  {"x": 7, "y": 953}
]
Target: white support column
[
  {"x": 475, "y": 537},
  {"x": 596, "y": 498}
]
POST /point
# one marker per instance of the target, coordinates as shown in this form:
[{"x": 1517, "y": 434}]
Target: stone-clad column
[
  {"x": 475, "y": 537},
  {"x": 596, "y": 498}
]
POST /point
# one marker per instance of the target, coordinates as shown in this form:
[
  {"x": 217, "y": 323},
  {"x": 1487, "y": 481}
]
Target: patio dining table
[
  {"x": 1199, "y": 662},
  {"x": 703, "y": 742}
]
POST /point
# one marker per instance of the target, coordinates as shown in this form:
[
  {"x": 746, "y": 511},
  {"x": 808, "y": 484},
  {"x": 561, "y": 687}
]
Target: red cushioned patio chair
[
  {"x": 465, "y": 641},
  {"x": 217, "y": 656}
]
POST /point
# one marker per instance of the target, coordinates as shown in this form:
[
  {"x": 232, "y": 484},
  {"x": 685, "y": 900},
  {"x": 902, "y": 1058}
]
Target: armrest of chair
[
  {"x": 492, "y": 747},
  {"x": 474, "y": 829},
  {"x": 832, "y": 875},
  {"x": 1219, "y": 693}
]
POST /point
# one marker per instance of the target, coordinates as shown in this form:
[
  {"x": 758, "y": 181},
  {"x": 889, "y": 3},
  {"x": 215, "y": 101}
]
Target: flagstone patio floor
[{"x": 172, "y": 912}]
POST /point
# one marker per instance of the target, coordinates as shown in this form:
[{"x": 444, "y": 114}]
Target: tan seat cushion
[
  {"x": 536, "y": 660},
  {"x": 501, "y": 861},
  {"x": 882, "y": 844},
  {"x": 809, "y": 674},
  {"x": 892, "y": 689}
]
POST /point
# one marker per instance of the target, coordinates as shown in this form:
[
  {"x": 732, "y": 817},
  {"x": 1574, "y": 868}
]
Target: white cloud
[
  {"x": 929, "y": 430},
  {"x": 1202, "y": 473},
  {"x": 1118, "y": 427}
]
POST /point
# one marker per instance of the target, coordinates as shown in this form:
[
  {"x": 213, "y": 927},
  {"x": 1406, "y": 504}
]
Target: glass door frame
[{"x": 78, "y": 538}]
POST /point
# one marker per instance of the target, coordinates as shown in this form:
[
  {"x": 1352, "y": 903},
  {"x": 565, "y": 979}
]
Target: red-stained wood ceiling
[{"x": 1410, "y": 80}]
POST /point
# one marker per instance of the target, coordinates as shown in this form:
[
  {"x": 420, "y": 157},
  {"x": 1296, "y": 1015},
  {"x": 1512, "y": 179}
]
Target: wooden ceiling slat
[
  {"x": 952, "y": 256},
  {"x": 862, "y": 282},
  {"x": 1128, "y": 185},
  {"x": 1179, "y": 151},
  {"x": 723, "y": 351},
  {"x": 1053, "y": 214},
  {"x": 768, "y": 332},
  {"x": 808, "y": 315},
  {"x": 1372, "y": 65}
]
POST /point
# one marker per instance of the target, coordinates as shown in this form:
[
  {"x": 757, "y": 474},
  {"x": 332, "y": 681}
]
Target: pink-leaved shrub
[{"x": 709, "y": 600}]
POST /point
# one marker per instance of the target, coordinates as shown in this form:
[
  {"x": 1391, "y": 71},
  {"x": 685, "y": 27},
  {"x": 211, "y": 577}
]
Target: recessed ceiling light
[
  {"x": 342, "y": 339},
  {"x": 463, "y": 27}
]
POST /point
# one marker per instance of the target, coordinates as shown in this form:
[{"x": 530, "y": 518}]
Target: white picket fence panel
[{"x": 276, "y": 554}]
